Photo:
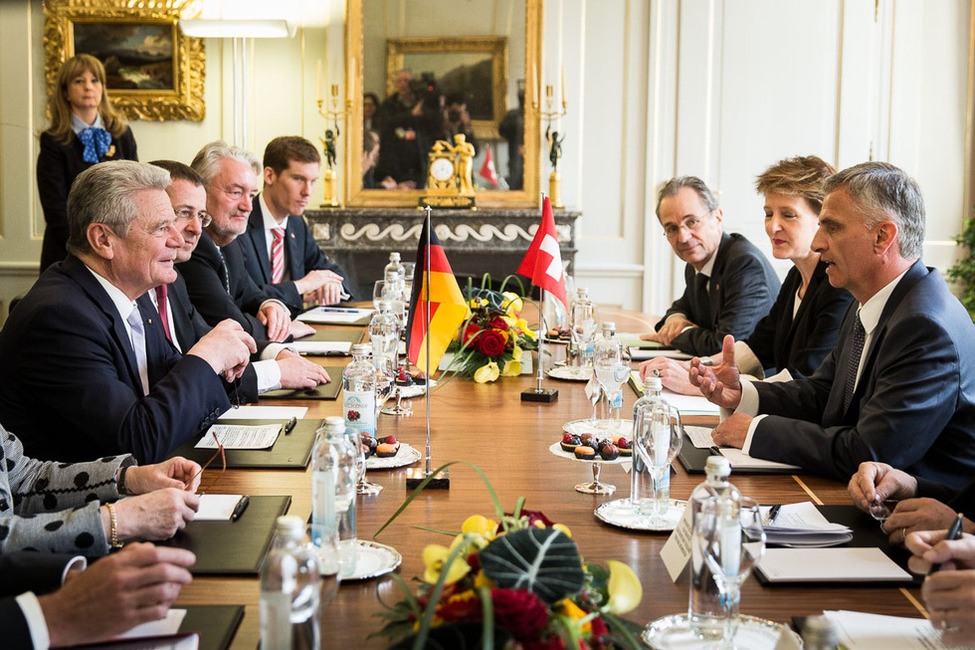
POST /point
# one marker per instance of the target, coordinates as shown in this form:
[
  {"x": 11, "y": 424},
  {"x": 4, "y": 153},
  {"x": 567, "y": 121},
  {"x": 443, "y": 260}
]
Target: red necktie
[
  {"x": 277, "y": 255},
  {"x": 161, "y": 292}
]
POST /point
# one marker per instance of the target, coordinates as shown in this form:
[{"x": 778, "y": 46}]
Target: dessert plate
[
  {"x": 672, "y": 632},
  {"x": 557, "y": 450},
  {"x": 620, "y": 513},
  {"x": 373, "y": 560},
  {"x": 406, "y": 455}
]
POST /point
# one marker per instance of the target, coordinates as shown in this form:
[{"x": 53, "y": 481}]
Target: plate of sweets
[
  {"x": 387, "y": 452},
  {"x": 590, "y": 448}
]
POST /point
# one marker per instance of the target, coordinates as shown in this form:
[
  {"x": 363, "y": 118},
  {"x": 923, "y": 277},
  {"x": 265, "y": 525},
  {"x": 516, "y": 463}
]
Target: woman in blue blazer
[{"x": 803, "y": 325}]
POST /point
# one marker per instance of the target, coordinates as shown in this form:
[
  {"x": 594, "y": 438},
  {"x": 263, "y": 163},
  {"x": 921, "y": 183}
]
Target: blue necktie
[{"x": 96, "y": 142}]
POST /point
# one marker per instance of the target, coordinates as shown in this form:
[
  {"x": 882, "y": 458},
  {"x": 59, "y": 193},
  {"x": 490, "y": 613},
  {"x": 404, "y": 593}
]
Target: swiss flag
[
  {"x": 487, "y": 169},
  {"x": 543, "y": 261}
]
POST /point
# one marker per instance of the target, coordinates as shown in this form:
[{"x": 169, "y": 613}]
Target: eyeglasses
[
  {"x": 186, "y": 215},
  {"x": 692, "y": 223}
]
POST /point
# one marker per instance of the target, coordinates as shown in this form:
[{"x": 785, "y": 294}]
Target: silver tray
[
  {"x": 557, "y": 450},
  {"x": 374, "y": 560},
  {"x": 406, "y": 455},
  {"x": 570, "y": 374},
  {"x": 602, "y": 428},
  {"x": 672, "y": 632},
  {"x": 620, "y": 513}
]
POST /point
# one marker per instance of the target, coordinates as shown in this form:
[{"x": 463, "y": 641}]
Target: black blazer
[
  {"x": 190, "y": 327},
  {"x": 57, "y": 166},
  {"x": 742, "y": 290},
  {"x": 70, "y": 384},
  {"x": 301, "y": 254},
  {"x": 913, "y": 408},
  {"x": 21, "y": 572},
  {"x": 204, "y": 276},
  {"x": 800, "y": 344}
]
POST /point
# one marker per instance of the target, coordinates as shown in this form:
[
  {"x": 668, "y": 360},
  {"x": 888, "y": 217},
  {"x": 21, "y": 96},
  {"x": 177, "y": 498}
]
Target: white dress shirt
[
  {"x": 124, "y": 305},
  {"x": 31, "y": 608}
]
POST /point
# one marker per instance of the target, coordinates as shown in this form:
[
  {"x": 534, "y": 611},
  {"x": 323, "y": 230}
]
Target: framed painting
[
  {"x": 474, "y": 66},
  {"x": 153, "y": 71}
]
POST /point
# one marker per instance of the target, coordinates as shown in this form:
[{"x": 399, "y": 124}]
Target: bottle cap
[
  {"x": 289, "y": 526},
  {"x": 334, "y": 424},
  {"x": 394, "y": 257},
  {"x": 609, "y": 326},
  {"x": 582, "y": 291},
  {"x": 718, "y": 465},
  {"x": 819, "y": 632},
  {"x": 363, "y": 349},
  {"x": 652, "y": 383}
]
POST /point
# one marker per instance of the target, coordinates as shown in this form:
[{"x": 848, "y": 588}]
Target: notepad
[
  {"x": 803, "y": 525},
  {"x": 686, "y": 404},
  {"x": 860, "y": 631},
  {"x": 321, "y": 348},
  {"x": 336, "y": 315},
  {"x": 217, "y": 507},
  {"x": 265, "y": 413},
  {"x": 642, "y": 354},
  {"x": 740, "y": 460},
  {"x": 783, "y": 565},
  {"x": 239, "y": 436}
]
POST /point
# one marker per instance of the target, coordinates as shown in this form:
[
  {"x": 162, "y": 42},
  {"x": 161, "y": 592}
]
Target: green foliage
[
  {"x": 542, "y": 560},
  {"x": 963, "y": 272}
]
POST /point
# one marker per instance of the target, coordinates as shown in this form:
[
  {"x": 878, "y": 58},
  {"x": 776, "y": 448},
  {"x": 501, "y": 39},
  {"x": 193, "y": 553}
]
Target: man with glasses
[
  {"x": 280, "y": 253},
  {"x": 216, "y": 279},
  {"x": 274, "y": 366},
  {"x": 87, "y": 369},
  {"x": 730, "y": 285}
]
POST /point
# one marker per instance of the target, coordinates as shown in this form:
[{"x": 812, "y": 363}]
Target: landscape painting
[{"x": 136, "y": 56}]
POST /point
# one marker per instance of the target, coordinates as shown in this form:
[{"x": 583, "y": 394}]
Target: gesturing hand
[{"x": 719, "y": 383}]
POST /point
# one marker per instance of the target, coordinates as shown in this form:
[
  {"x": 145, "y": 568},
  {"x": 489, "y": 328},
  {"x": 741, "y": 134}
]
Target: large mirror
[{"x": 426, "y": 70}]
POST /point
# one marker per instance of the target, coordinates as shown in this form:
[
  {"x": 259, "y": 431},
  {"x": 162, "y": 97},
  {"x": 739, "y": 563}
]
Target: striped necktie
[{"x": 277, "y": 255}]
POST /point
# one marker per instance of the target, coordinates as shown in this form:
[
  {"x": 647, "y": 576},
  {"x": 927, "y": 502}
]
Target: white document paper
[
  {"x": 165, "y": 627},
  {"x": 859, "y": 631},
  {"x": 700, "y": 437},
  {"x": 322, "y": 348},
  {"x": 642, "y": 354},
  {"x": 240, "y": 436},
  {"x": 265, "y": 413},
  {"x": 830, "y": 565},
  {"x": 334, "y": 315},
  {"x": 686, "y": 404},
  {"x": 803, "y": 525},
  {"x": 217, "y": 507},
  {"x": 741, "y": 460},
  {"x": 676, "y": 551}
]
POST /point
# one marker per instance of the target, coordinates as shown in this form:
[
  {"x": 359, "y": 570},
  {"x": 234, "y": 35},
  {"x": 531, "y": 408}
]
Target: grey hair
[
  {"x": 884, "y": 191},
  {"x": 105, "y": 193},
  {"x": 674, "y": 185},
  {"x": 207, "y": 160}
]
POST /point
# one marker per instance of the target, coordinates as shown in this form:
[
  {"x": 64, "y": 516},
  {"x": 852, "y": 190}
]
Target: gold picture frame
[
  {"x": 463, "y": 54},
  {"x": 157, "y": 78}
]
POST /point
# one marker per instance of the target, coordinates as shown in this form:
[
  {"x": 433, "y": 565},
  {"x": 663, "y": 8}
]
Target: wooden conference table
[{"x": 488, "y": 425}]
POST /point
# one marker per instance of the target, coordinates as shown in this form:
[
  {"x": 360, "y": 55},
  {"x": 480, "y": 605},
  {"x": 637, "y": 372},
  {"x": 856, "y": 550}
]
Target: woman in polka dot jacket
[{"x": 74, "y": 508}]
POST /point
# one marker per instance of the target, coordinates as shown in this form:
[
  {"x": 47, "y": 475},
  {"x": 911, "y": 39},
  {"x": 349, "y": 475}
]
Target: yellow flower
[
  {"x": 481, "y": 580},
  {"x": 512, "y": 368},
  {"x": 516, "y": 353},
  {"x": 513, "y": 303},
  {"x": 511, "y": 321},
  {"x": 522, "y": 325},
  {"x": 625, "y": 590},
  {"x": 434, "y": 556},
  {"x": 574, "y": 613},
  {"x": 563, "y": 529},
  {"x": 480, "y": 525},
  {"x": 487, "y": 372}
]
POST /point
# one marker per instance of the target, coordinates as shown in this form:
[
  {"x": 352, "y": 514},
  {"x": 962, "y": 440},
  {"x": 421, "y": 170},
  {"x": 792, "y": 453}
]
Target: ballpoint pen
[
  {"x": 289, "y": 427},
  {"x": 954, "y": 532},
  {"x": 240, "y": 508},
  {"x": 773, "y": 512}
]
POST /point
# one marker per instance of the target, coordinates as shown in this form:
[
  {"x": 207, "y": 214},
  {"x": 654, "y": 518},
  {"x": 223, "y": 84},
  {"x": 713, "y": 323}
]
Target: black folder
[
  {"x": 693, "y": 459},
  {"x": 324, "y": 391},
  {"x": 217, "y": 624},
  {"x": 233, "y": 547},
  {"x": 292, "y": 451},
  {"x": 866, "y": 533}
]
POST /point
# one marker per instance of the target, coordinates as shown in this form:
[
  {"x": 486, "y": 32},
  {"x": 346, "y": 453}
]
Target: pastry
[
  {"x": 386, "y": 450},
  {"x": 609, "y": 451},
  {"x": 584, "y": 452},
  {"x": 570, "y": 442}
]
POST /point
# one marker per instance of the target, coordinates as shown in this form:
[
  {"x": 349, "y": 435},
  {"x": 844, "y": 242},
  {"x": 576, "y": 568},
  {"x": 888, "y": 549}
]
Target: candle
[
  {"x": 355, "y": 71},
  {"x": 548, "y": 91},
  {"x": 562, "y": 70},
  {"x": 319, "y": 80},
  {"x": 335, "y": 90}
]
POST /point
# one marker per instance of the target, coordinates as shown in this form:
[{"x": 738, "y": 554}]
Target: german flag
[{"x": 448, "y": 309}]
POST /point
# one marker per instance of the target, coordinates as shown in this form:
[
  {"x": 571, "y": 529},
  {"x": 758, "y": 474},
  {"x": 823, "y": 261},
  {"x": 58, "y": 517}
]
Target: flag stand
[
  {"x": 415, "y": 476},
  {"x": 539, "y": 394}
]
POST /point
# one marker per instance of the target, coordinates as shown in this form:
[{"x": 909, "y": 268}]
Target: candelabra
[
  {"x": 550, "y": 116},
  {"x": 331, "y": 112}
]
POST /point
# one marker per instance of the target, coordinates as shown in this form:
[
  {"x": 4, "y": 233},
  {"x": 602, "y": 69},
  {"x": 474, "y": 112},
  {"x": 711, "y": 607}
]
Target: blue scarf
[{"x": 96, "y": 142}]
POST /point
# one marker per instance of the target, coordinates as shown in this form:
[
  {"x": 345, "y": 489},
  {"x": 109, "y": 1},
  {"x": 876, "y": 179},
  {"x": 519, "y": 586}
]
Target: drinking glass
[
  {"x": 658, "y": 435},
  {"x": 377, "y": 293},
  {"x": 731, "y": 540},
  {"x": 584, "y": 320},
  {"x": 611, "y": 373}
]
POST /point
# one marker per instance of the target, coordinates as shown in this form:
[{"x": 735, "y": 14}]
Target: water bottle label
[
  {"x": 324, "y": 516},
  {"x": 275, "y": 620},
  {"x": 359, "y": 411}
]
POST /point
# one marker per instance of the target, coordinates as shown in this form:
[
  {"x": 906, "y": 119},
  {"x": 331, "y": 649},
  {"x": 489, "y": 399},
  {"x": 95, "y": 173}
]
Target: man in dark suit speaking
[
  {"x": 730, "y": 285},
  {"x": 87, "y": 370},
  {"x": 280, "y": 253},
  {"x": 899, "y": 387}
]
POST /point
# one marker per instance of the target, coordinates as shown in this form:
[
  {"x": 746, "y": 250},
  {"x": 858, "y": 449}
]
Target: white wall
[{"x": 715, "y": 88}]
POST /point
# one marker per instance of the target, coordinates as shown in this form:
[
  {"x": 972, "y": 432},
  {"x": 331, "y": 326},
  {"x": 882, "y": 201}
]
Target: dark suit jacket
[
  {"x": 21, "y": 572},
  {"x": 742, "y": 289},
  {"x": 204, "y": 276},
  {"x": 800, "y": 344},
  {"x": 190, "y": 328},
  {"x": 301, "y": 254},
  {"x": 57, "y": 166},
  {"x": 914, "y": 406},
  {"x": 70, "y": 386}
]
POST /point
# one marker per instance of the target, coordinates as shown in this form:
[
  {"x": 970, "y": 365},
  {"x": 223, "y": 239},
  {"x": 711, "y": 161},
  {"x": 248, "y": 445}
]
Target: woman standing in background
[{"x": 85, "y": 129}]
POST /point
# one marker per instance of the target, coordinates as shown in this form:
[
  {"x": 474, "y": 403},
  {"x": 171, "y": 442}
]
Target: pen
[
  {"x": 715, "y": 451},
  {"x": 240, "y": 508},
  {"x": 954, "y": 532},
  {"x": 772, "y": 514},
  {"x": 289, "y": 427}
]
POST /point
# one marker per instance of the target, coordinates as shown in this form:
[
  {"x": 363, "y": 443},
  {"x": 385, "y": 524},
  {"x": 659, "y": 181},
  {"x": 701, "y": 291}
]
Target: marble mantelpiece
[{"x": 476, "y": 242}]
